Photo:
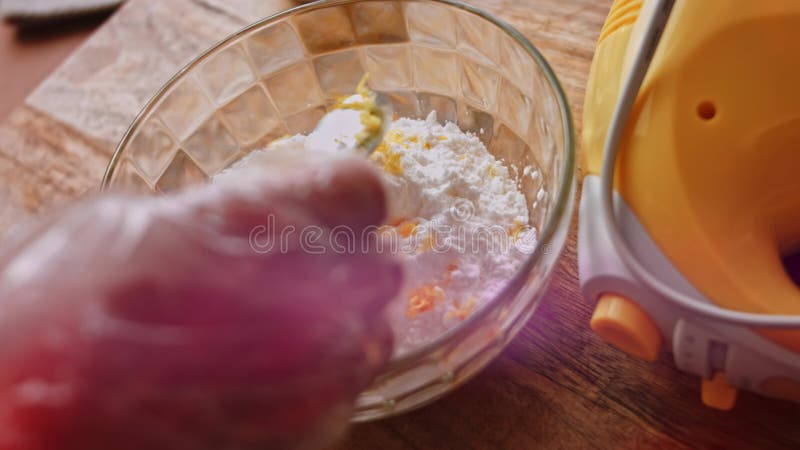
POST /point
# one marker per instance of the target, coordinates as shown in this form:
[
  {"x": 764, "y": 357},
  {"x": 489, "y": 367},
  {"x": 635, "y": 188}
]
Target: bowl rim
[{"x": 565, "y": 191}]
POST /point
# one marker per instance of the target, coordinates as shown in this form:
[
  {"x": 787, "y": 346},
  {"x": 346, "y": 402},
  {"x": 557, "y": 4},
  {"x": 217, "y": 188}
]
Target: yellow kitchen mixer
[{"x": 691, "y": 198}]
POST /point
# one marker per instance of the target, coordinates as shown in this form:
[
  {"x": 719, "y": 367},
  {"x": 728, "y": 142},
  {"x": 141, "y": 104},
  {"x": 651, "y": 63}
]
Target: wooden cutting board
[{"x": 556, "y": 386}]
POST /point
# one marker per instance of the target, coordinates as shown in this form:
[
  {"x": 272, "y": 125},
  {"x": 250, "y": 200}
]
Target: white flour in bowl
[{"x": 459, "y": 222}]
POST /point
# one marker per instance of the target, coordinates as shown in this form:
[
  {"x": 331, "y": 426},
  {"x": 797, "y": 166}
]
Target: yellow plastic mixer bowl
[{"x": 710, "y": 162}]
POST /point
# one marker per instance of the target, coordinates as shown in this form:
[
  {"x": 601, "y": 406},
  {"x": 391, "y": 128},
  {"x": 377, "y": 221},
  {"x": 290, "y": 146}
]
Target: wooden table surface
[{"x": 556, "y": 386}]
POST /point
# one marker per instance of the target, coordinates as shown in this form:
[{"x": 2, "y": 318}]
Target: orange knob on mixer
[
  {"x": 625, "y": 325},
  {"x": 717, "y": 393}
]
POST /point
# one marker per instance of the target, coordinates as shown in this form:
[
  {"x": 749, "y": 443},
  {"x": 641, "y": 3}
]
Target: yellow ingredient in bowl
[
  {"x": 407, "y": 228},
  {"x": 424, "y": 299},
  {"x": 390, "y": 161},
  {"x": 460, "y": 311}
]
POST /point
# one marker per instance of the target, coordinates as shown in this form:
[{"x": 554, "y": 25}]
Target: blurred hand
[{"x": 187, "y": 322}]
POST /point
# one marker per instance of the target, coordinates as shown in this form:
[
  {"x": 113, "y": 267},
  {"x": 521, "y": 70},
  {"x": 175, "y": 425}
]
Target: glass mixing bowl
[{"x": 277, "y": 76}]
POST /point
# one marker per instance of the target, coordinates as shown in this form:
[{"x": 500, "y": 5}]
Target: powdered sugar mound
[
  {"x": 457, "y": 219},
  {"x": 466, "y": 201}
]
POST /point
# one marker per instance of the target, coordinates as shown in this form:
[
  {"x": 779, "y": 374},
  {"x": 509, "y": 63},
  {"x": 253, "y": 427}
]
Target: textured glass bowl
[{"x": 277, "y": 77}]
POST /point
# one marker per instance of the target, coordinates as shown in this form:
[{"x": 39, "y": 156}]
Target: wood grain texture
[{"x": 556, "y": 386}]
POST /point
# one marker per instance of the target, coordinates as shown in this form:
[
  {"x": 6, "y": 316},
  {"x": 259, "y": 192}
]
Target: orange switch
[
  {"x": 717, "y": 393},
  {"x": 625, "y": 325}
]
